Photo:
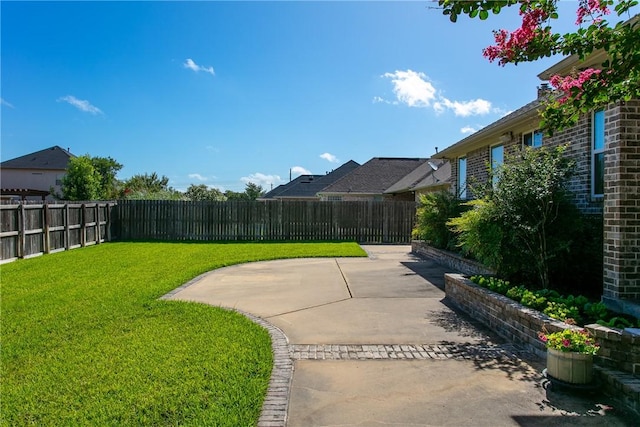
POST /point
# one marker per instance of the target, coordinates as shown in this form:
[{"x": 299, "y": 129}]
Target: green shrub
[
  {"x": 530, "y": 299},
  {"x": 516, "y": 293},
  {"x": 514, "y": 227},
  {"x": 616, "y": 322},
  {"x": 561, "y": 311},
  {"x": 433, "y": 213},
  {"x": 596, "y": 311}
]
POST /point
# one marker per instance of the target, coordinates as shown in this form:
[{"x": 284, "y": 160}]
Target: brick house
[{"x": 606, "y": 147}]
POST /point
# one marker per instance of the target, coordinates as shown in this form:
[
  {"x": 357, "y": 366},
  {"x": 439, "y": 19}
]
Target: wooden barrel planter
[{"x": 570, "y": 367}]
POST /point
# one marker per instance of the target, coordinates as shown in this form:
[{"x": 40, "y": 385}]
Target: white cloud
[
  {"x": 299, "y": 170},
  {"x": 415, "y": 90},
  {"x": 329, "y": 157},
  {"x": 80, "y": 104},
  {"x": 464, "y": 108},
  {"x": 261, "y": 179},
  {"x": 5, "y": 103},
  {"x": 198, "y": 177},
  {"x": 412, "y": 88},
  {"x": 469, "y": 130},
  {"x": 190, "y": 64}
]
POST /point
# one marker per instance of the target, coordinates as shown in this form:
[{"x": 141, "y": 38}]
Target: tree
[
  {"x": 82, "y": 181},
  {"x": 202, "y": 192},
  {"x": 253, "y": 191},
  {"x": 149, "y": 187},
  {"x": 616, "y": 78},
  {"x": 108, "y": 169}
]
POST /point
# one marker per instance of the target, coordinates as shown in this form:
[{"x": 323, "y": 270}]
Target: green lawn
[{"x": 85, "y": 340}]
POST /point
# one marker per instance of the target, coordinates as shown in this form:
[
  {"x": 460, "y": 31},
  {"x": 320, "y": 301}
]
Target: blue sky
[{"x": 222, "y": 93}]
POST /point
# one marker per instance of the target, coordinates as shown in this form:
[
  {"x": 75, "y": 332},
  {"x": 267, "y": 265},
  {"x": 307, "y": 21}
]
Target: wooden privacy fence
[
  {"x": 33, "y": 229},
  {"x": 364, "y": 222}
]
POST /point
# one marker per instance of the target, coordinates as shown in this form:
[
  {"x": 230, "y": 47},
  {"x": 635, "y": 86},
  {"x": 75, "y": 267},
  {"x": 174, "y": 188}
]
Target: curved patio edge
[{"x": 276, "y": 403}]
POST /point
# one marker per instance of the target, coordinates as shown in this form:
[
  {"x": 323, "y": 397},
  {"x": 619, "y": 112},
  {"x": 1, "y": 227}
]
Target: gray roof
[
  {"x": 431, "y": 172},
  {"x": 375, "y": 176},
  {"x": 276, "y": 192},
  {"x": 309, "y": 185},
  {"x": 50, "y": 158}
]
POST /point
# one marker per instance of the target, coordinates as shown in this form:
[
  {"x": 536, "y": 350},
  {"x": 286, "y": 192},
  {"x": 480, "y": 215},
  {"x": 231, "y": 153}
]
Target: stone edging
[
  {"x": 454, "y": 351},
  {"x": 276, "y": 403}
]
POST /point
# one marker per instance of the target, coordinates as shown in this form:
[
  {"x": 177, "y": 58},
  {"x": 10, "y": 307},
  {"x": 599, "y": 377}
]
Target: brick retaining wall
[
  {"x": 450, "y": 259},
  {"x": 617, "y": 362}
]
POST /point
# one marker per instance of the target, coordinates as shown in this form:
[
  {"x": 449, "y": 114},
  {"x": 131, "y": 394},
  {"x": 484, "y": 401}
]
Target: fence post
[
  {"x": 46, "y": 240},
  {"x": 98, "y": 231},
  {"x": 83, "y": 225},
  {"x": 22, "y": 224}
]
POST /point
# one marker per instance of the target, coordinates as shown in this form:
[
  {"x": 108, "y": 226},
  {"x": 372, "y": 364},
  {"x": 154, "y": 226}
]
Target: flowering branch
[{"x": 615, "y": 79}]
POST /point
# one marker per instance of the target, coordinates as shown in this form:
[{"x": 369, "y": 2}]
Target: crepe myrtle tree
[{"x": 616, "y": 78}]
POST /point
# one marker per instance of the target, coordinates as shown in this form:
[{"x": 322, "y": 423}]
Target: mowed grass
[{"x": 85, "y": 340}]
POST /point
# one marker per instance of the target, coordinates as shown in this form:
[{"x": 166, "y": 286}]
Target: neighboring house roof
[
  {"x": 276, "y": 192},
  {"x": 375, "y": 176},
  {"x": 432, "y": 173},
  {"x": 50, "y": 158},
  {"x": 308, "y": 186},
  {"x": 528, "y": 114}
]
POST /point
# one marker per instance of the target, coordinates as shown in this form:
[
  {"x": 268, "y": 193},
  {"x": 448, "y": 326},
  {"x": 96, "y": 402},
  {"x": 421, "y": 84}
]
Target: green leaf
[{"x": 484, "y": 14}]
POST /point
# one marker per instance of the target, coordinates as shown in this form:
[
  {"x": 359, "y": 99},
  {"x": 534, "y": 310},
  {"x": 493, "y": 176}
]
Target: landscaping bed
[{"x": 619, "y": 356}]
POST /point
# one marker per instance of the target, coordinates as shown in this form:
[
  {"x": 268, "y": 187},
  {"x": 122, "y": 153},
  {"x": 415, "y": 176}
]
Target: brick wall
[
  {"x": 617, "y": 362},
  {"x": 450, "y": 259},
  {"x": 622, "y": 204}
]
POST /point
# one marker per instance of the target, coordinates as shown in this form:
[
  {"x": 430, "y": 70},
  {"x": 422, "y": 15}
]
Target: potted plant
[{"x": 570, "y": 355}]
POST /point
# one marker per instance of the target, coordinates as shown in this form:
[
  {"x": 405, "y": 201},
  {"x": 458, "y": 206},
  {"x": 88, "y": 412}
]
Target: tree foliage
[
  {"x": 82, "y": 180},
  {"x": 523, "y": 220},
  {"x": 149, "y": 187},
  {"x": 251, "y": 192},
  {"x": 201, "y": 192},
  {"x": 616, "y": 78},
  {"x": 434, "y": 211},
  {"x": 107, "y": 168}
]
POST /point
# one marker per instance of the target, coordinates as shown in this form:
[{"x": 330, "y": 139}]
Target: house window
[
  {"x": 497, "y": 158},
  {"x": 597, "y": 157},
  {"x": 462, "y": 177},
  {"x": 334, "y": 198},
  {"x": 532, "y": 139}
]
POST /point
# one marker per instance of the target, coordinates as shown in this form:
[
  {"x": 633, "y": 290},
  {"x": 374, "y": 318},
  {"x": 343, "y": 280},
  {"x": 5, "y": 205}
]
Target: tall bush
[
  {"x": 434, "y": 211},
  {"x": 517, "y": 216}
]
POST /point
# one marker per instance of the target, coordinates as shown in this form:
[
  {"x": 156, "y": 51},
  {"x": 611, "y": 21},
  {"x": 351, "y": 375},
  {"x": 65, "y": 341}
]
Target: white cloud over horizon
[
  {"x": 329, "y": 157},
  {"x": 265, "y": 181},
  {"x": 190, "y": 64},
  {"x": 299, "y": 170},
  {"x": 6, "y": 103},
  {"x": 198, "y": 177},
  {"x": 414, "y": 89},
  {"x": 467, "y": 130},
  {"x": 80, "y": 104}
]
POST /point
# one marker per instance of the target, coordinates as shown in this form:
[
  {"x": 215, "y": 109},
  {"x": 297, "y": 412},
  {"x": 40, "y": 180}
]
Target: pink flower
[
  {"x": 594, "y": 8},
  {"x": 566, "y": 343},
  {"x": 568, "y": 83}
]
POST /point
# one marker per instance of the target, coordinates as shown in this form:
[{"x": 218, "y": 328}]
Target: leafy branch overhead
[{"x": 614, "y": 77}]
